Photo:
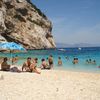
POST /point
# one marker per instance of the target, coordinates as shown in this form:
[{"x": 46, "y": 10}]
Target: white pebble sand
[{"x": 50, "y": 85}]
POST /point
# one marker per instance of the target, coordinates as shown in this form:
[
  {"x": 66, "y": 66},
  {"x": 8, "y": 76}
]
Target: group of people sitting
[{"x": 29, "y": 66}]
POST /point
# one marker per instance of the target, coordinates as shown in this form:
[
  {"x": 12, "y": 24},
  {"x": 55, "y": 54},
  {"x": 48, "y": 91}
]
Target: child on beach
[{"x": 75, "y": 61}]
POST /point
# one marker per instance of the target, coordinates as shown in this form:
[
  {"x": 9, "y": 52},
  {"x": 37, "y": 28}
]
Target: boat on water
[
  {"x": 79, "y": 48},
  {"x": 61, "y": 49}
]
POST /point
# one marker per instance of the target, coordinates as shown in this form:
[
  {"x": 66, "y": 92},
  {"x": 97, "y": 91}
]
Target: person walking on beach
[{"x": 50, "y": 60}]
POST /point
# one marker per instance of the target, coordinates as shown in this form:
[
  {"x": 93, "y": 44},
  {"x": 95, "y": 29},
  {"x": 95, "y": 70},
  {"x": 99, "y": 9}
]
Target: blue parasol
[{"x": 11, "y": 46}]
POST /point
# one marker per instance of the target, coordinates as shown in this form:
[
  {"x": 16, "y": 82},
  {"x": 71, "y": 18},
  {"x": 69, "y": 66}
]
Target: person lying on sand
[
  {"x": 4, "y": 65},
  {"x": 26, "y": 65},
  {"x": 33, "y": 66},
  {"x": 44, "y": 64}
]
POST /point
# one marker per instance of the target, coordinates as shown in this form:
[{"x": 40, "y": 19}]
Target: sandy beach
[{"x": 50, "y": 85}]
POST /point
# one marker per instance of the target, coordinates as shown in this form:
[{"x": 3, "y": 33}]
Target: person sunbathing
[
  {"x": 33, "y": 66},
  {"x": 26, "y": 65},
  {"x": 4, "y": 65}
]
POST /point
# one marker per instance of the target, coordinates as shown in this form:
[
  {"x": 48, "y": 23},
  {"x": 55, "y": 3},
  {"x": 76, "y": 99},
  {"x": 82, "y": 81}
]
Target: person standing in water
[
  {"x": 50, "y": 60},
  {"x": 59, "y": 61},
  {"x": 16, "y": 59}
]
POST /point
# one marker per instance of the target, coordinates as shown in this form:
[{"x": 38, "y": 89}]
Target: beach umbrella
[{"x": 11, "y": 46}]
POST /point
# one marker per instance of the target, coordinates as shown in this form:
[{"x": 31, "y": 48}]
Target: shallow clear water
[{"x": 82, "y": 55}]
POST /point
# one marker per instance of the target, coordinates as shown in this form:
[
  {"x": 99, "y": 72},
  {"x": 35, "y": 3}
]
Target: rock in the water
[{"x": 22, "y": 22}]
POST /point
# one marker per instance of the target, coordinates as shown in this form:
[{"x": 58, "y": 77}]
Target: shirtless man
[
  {"x": 26, "y": 65},
  {"x": 4, "y": 65},
  {"x": 50, "y": 60}
]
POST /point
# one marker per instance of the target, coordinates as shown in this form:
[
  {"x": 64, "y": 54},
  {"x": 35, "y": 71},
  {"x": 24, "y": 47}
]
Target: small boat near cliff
[{"x": 61, "y": 49}]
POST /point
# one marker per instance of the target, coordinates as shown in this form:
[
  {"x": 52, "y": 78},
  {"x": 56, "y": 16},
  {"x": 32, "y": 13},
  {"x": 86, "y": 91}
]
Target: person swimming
[
  {"x": 67, "y": 57},
  {"x": 75, "y": 61},
  {"x": 94, "y": 62},
  {"x": 87, "y": 61},
  {"x": 90, "y": 60}
]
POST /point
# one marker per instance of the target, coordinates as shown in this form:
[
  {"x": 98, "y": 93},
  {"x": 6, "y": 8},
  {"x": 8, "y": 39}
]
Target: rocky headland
[{"x": 22, "y": 22}]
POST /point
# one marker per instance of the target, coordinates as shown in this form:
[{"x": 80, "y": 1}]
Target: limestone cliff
[{"x": 22, "y": 22}]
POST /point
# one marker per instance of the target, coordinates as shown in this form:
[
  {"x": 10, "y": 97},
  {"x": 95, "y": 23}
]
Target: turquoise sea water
[{"x": 82, "y": 54}]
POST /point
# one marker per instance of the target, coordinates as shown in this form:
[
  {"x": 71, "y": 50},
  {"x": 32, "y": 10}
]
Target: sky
[{"x": 74, "y": 21}]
